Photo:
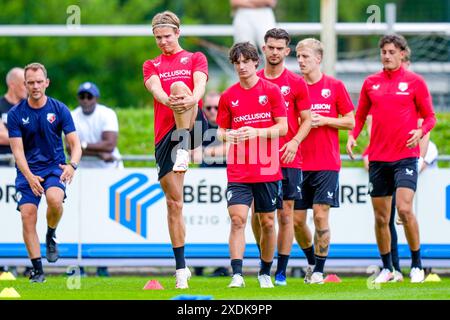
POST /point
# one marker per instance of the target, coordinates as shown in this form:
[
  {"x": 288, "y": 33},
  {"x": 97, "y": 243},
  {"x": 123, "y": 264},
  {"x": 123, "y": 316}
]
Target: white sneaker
[
  {"x": 384, "y": 276},
  {"x": 182, "y": 275},
  {"x": 265, "y": 281},
  {"x": 417, "y": 275},
  {"x": 309, "y": 273},
  {"x": 398, "y": 276},
  {"x": 317, "y": 278},
  {"x": 237, "y": 281},
  {"x": 182, "y": 161}
]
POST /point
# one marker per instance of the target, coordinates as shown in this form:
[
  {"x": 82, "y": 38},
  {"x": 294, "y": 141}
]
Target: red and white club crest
[
  {"x": 285, "y": 90},
  {"x": 402, "y": 86},
  {"x": 184, "y": 60},
  {"x": 262, "y": 99},
  {"x": 51, "y": 117},
  {"x": 326, "y": 93}
]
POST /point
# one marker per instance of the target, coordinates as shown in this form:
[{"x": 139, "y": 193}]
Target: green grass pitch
[{"x": 131, "y": 288}]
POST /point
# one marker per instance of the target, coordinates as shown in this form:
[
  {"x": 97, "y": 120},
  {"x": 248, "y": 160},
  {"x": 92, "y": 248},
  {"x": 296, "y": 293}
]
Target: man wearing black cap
[{"x": 98, "y": 128}]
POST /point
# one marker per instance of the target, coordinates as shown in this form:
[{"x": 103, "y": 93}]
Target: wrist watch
[
  {"x": 84, "y": 145},
  {"x": 74, "y": 165}
]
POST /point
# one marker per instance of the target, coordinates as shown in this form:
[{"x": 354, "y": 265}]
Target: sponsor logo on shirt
[
  {"x": 285, "y": 90},
  {"x": 176, "y": 73},
  {"x": 184, "y": 60},
  {"x": 235, "y": 103},
  {"x": 26, "y": 121},
  {"x": 326, "y": 93},
  {"x": 255, "y": 117},
  {"x": 402, "y": 86},
  {"x": 156, "y": 64},
  {"x": 262, "y": 100},
  {"x": 376, "y": 87},
  {"x": 321, "y": 107},
  {"x": 51, "y": 117}
]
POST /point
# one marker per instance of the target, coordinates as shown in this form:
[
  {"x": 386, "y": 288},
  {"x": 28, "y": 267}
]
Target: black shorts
[
  {"x": 385, "y": 177},
  {"x": 291, "y": 185},
  {"x": 265, "y": 194},
  {"x": 319, "y": 187},
  {"x": 168, "y": 144}
]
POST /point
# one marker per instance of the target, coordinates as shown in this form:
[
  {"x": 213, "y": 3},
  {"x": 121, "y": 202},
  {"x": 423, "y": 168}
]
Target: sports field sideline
[{"x": 131, "y": 288}]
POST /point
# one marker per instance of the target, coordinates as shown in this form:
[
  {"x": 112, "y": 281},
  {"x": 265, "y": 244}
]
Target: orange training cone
[
  {"x": 153, "y": 285},
  {"x": 332, "y": 278}
]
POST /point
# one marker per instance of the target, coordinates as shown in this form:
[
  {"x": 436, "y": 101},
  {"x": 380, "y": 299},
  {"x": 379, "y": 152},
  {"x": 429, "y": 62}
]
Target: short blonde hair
[
  {"x": 166, "y": 19},
  {"x": 313, "y": 44},
  {"x": 35, "y": 66}
]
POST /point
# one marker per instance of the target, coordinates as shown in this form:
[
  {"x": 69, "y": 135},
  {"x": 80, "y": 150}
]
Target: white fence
[{"x": 217, "y": 30}]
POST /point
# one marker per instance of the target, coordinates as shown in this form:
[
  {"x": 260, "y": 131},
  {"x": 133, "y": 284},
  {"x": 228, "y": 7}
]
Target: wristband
[{"x": 74, "y": 165}]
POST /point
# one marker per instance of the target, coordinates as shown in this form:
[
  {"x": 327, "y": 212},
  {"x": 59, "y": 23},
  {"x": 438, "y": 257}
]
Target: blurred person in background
[{"x": 251, "y": 20}]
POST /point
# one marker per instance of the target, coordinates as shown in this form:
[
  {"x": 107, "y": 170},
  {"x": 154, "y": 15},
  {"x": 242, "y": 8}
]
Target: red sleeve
[
  {"x": 302, "y": 100},
  {"x": 362, "y": 111},
  {"x": 223, "y": 114},
  {"x": 424, "y": 106},
  {"x": 344, "y": 102},
  {"x": 277, "y": 102},
  {"x": 148, "y": 69},
  {"x": 200, "y": 63},
  {"x": 366, "y": 152}
]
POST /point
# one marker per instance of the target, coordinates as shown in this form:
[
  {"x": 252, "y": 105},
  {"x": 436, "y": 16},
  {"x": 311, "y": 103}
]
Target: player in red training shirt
[
  {"x": 295, "y": 92},
  {"x": 331, "y": 110},
  {"x": 396, "y": 98},
  {"x": 251, "y": 117},
  {"x": 177, "y": 81}
]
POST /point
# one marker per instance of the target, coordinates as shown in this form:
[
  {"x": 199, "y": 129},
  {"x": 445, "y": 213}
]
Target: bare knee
[
  {"x": 320, "y": 220},
  {"x": 267, "y": 223},
  {"x": 237, "y": 222},
  {"x": 300, "y": 221},
  {"x": 405, "y": 212},
  {"x": 54, "y": 203},
  {"x": 382, "y": 220},
  {"x": 174, "y": 206},
  {"x": 180, "y": 87},
  {"x": 285, "y": 218},
  {"x": 29, "y": 219}
]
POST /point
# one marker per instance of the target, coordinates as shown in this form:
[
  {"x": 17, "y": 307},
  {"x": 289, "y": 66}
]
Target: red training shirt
[
  {"x": 320, "y": 149},
  {"x": 177, "y": 67},
  {"x": 255, "y": 160},
  {"x": 396, "y": 99},
  {"x": 296, "y": 97}
]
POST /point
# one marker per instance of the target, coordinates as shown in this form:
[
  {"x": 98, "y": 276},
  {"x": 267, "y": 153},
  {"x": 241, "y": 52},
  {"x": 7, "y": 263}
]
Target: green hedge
[{"x": 136, "y": 135}]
